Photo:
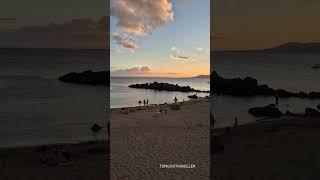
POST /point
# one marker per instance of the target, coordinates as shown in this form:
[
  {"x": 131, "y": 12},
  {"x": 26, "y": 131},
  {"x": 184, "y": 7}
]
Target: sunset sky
[
  {"x": 160, "y": 38},
  {"x": 247, "y": 24}
]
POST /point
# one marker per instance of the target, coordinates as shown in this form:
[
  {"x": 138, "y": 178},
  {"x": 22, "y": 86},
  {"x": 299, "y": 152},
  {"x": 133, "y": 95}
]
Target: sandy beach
[
  {"x": 82, "y": 161},
  {"x": 285, "y": 148},
  {"x": 144, "y": 137}
]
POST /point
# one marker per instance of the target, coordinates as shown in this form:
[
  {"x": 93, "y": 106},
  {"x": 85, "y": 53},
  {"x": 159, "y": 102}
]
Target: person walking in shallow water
[{"x": 175, "y": 99}]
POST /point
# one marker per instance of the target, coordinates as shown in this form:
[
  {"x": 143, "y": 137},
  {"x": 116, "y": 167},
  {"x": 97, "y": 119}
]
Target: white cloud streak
[
  {"x": 179, "y": 55},
  {"x": 125, "y": 41}
]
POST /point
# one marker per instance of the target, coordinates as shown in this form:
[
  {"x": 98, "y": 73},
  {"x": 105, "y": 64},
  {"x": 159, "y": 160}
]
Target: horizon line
[
  {"x": 263, "y": 49},
  {"x": 62, "y": 48},
  {"x": 156, "y": 77}
]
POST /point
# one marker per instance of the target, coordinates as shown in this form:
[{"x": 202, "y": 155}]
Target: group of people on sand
[{"x": 145, "y": 102}]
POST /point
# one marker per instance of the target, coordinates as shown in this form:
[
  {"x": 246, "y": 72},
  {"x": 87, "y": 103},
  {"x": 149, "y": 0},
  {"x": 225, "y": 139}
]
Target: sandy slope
[
  {"x": 142, "y": 138},
  {"x": 24, "y": 163},
  {"x": 284, "y": 149}
]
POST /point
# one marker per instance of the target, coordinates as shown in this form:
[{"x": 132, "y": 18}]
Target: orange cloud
[{"x": 137, "y": 18}]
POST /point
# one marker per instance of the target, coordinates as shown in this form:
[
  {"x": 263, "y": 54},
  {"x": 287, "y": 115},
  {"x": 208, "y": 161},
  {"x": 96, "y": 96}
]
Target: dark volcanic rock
[
  {"x": 318, "y": 107},
  {"x": 193, "y": 96},
  {"x": 249, "y": 87},
  {"x": 87, "y": 77},
  {"x": 237, "y": 86},
  {"x": 316, "y": 66},
  {"x": 164, "y": 87},
  {"x": 310, "y": 112},
  {"x": 267, "y": 111}
]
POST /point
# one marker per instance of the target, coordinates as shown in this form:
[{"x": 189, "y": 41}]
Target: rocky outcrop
[
  {"x": 164, "y": 87},
  {"x": 316, "y": 66},
  {"x": 87, "y": 77},
  {"x": 193, "y": 96},
  {"x": 266, "y": 111},
  {"x": 310, "y": 112},
  {"x": 249, "y": 87}
]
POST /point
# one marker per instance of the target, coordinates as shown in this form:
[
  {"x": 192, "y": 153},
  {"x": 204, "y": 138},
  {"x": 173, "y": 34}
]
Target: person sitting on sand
[{"x": 175, "y": 99}]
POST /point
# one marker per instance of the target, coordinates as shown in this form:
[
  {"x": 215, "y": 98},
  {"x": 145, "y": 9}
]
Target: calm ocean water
[
  {"x": 286, "y": 71},
  {"x": 36, "y": 108},
  {"x": 123, "y": 96}
]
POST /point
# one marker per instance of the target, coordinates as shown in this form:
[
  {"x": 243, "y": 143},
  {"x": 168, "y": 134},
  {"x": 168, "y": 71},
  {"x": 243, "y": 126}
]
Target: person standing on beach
[
  {"x": 147, "y": 101},
  {"x": 235, "y": 122},
  {"x": 139, "y": 102},
  {"x": 175, "y": 99},
  {"x": 277, "y": 99},
  {"x": 108, "y": 127},
  {"x": 144, "y": 102}
]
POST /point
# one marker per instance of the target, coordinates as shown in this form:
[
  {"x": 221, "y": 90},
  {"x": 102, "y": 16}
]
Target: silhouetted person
[
  {"x": 144, "y": 102},
  {"x": 277, "y": 99},
  {"x": 108, "y": 129},
  {"x": 175, "y": 99},
  {"x": 147, "y": 101},
  {"x": 235, "y": 122},
  {"x": 95, "y": 129},
  {"x": 139, "y": 102},
  {"x": 212, "y": 121}
]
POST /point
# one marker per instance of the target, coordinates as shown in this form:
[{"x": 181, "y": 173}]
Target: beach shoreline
[
  {"x": 144, "y": 137},
  {"x": 155, "y": 105}
]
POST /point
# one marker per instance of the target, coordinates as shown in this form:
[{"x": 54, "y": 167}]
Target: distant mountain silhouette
[
  {"x": 202, "y": 76},
  {"x": 290, "y": 47},
  {"x": 296, "y": 47}
]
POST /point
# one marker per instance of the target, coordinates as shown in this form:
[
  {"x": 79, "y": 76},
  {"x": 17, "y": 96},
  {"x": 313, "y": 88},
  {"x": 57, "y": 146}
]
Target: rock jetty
[
  {"x": 87, "y": 77},
  {"x": 266, "y": 111},
  {"x": 249, "y": 87}
]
